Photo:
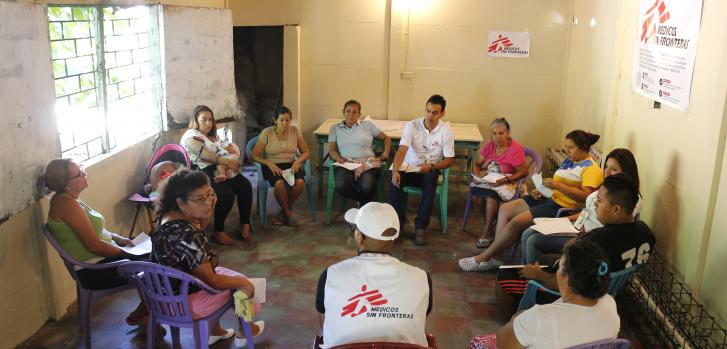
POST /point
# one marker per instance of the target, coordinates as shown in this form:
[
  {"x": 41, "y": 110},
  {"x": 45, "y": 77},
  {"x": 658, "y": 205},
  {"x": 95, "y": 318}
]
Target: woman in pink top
[{"x": 500, "y": 155}]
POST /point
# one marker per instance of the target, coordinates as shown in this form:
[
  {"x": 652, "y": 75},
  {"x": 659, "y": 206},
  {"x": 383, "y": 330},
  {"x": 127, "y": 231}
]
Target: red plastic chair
[{"x": 431, "y": 344}]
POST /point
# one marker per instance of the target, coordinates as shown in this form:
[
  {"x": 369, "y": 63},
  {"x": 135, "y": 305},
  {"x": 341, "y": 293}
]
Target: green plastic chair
[
  {"x": 332, "y": 188},
  {"x": 442, "y": 194}
]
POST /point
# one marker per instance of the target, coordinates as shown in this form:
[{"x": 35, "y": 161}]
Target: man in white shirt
[
  {"x": 373, "y": 297},
  {"x": 426, "y": 148}
]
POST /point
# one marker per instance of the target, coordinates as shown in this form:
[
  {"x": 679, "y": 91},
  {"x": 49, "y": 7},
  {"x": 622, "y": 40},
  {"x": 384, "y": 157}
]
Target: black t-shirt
[{"x": 626, "y": 244}]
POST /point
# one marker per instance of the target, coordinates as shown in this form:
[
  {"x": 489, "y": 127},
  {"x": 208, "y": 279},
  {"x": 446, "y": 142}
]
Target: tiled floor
[{"x": 291, "y": 259}]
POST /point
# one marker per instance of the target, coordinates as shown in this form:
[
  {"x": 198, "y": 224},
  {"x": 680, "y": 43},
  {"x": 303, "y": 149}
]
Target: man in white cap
[{"x": 373, "y": 297}]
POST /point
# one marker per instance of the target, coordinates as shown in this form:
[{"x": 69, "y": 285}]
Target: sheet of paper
[
  {"x": 386, "y": 125},
  {"x": 406, "y": 167},
  {"x": 347, "y": 165},
  {"x": 288, "y": 177},
  {"x": 538, "y": 181},
  {"x": 549, "y": 226},
  {"x": 260, "y": 289},
  {"x": 491, "y": 178},
  {"x": 518, "y": 266},
  {"x": 140, "y": 239},
  {"x": 140, "y": 248}
]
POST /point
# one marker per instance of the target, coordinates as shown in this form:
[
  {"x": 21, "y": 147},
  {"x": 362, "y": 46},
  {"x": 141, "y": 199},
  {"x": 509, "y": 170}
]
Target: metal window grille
[{"x": 107, "y": 91}]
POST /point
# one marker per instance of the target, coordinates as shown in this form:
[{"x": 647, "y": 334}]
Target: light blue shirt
[{"x": 354, "y": 142}]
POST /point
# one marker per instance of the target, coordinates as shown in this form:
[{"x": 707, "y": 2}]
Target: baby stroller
[{"x": 169, "y": 152}]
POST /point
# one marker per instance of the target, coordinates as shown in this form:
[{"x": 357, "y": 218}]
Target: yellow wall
[
  {"x": 679, "y": 153},
  {"x": 355, "y": 49}
]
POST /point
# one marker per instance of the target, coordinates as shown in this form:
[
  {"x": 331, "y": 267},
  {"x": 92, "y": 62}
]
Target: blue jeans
[
  {"x": 428, "y": 183},
  {"x": 535, "y": 244}
]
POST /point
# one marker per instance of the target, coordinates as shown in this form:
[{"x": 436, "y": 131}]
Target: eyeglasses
[
  {"x": 81, "y": 173},
  {"x": 206, "y": 199}
]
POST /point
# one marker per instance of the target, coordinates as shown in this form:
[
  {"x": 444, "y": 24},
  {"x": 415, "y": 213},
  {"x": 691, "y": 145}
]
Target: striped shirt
[{"x": 584, "y": 173}]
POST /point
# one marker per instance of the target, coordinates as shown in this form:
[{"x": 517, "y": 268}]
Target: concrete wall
[
  {"x": 35, "y": 285},
  {"x": 355, "y": 49},
  {"x": 198, "y": 62},
  {"x": 680, "y": 154},
  {"x": 24, "y": 74}
]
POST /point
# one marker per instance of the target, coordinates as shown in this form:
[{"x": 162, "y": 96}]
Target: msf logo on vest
[
  {"x": 500, "y": 44},
  {"x": 656, "y": 13},
  {"x": 362, "y": 302}
]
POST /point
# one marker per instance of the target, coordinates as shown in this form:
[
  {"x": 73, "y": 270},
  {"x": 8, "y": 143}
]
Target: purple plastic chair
[
  {"x": 155, "y": 281},
  {"x": 534, "y": 165},
  {"x": 85, "y": 297},
  {"x": 605, "y": 344}
]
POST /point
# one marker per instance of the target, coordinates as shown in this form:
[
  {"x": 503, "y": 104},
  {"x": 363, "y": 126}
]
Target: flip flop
[
  {"x": 484, "y": 243},
  {"x": 278, "y": 220}
]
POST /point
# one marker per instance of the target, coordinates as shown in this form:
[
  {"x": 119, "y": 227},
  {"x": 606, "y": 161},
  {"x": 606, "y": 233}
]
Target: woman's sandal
[
  {"x": 279, "y": 219},
  {"x": 484, "y": 243},
  {"x": 290, "y": 221}
]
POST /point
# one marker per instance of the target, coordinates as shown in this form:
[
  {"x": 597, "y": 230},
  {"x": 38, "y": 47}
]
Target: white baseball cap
[{"x": 373, "y": 219}]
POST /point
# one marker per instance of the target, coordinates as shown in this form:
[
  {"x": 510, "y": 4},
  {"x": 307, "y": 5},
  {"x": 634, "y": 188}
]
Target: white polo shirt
[
  {"x": 427, "y": 146},
  {"x": 373, "y": 297}
]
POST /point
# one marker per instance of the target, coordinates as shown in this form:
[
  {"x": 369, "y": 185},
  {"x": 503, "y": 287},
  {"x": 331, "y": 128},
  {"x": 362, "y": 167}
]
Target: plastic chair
[
  {"x": 618, "y": 280},
  {"x": 442, "y": 193},
  {"x": 263, "y": 185},
  {"x": 615, "y": 343},
  {"x": 534, "y": 165},
  {"x": 85, "y": 297},
  {"x": 170, "y": 306},
  {"x": 332, "y": 188},
  {"x": 431, "y": 344}
]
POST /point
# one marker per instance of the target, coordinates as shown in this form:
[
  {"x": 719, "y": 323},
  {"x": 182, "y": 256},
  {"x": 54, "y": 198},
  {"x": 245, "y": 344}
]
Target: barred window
[{"x": 108, "y": 92}]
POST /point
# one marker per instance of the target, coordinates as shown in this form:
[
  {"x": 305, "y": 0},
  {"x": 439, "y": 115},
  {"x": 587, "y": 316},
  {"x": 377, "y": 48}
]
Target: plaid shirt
[{"x": 180, "y": 245}]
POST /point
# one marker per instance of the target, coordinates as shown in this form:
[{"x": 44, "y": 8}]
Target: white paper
[
  {"x": 288, "y": 177},
  {"x": 142, "y": 245},
  {"x": 549, "y": 226},
  {"x": 347, "y": 165},
  {"x": 491, "y": 178},
  {"x": 406, "y": 167},
  {"x": 538, "y": 181},
  {"x": 667, "y": 33},
  {"x": 386, "y": 125},
  {"x": 518, "y": 266},
  {"x": 260, "y": 289}
]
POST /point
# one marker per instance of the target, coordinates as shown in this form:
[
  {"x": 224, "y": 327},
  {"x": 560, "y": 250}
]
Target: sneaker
[
  {"x": 419, "y": 239},
  {"x": 469, "y": 264},
  {"x": 241, "y": 342}
]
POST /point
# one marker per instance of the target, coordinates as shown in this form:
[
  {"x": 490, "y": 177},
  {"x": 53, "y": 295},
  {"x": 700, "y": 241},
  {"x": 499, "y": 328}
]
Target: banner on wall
[
  {"x": 508, "y": 44},
  {"x": 668, "y": 31}
]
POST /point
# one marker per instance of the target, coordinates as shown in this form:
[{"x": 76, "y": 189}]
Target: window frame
[{"x": 101, "y": 75}]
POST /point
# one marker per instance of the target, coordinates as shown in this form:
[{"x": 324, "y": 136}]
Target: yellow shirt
[{"x": 584, "y": 173}]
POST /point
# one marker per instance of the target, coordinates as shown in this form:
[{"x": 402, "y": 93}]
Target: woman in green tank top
[{"x": 80, "y": 230}]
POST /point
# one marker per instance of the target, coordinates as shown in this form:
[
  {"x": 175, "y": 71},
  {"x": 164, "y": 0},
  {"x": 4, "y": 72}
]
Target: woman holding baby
[{"x": 220, "y": 160}]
